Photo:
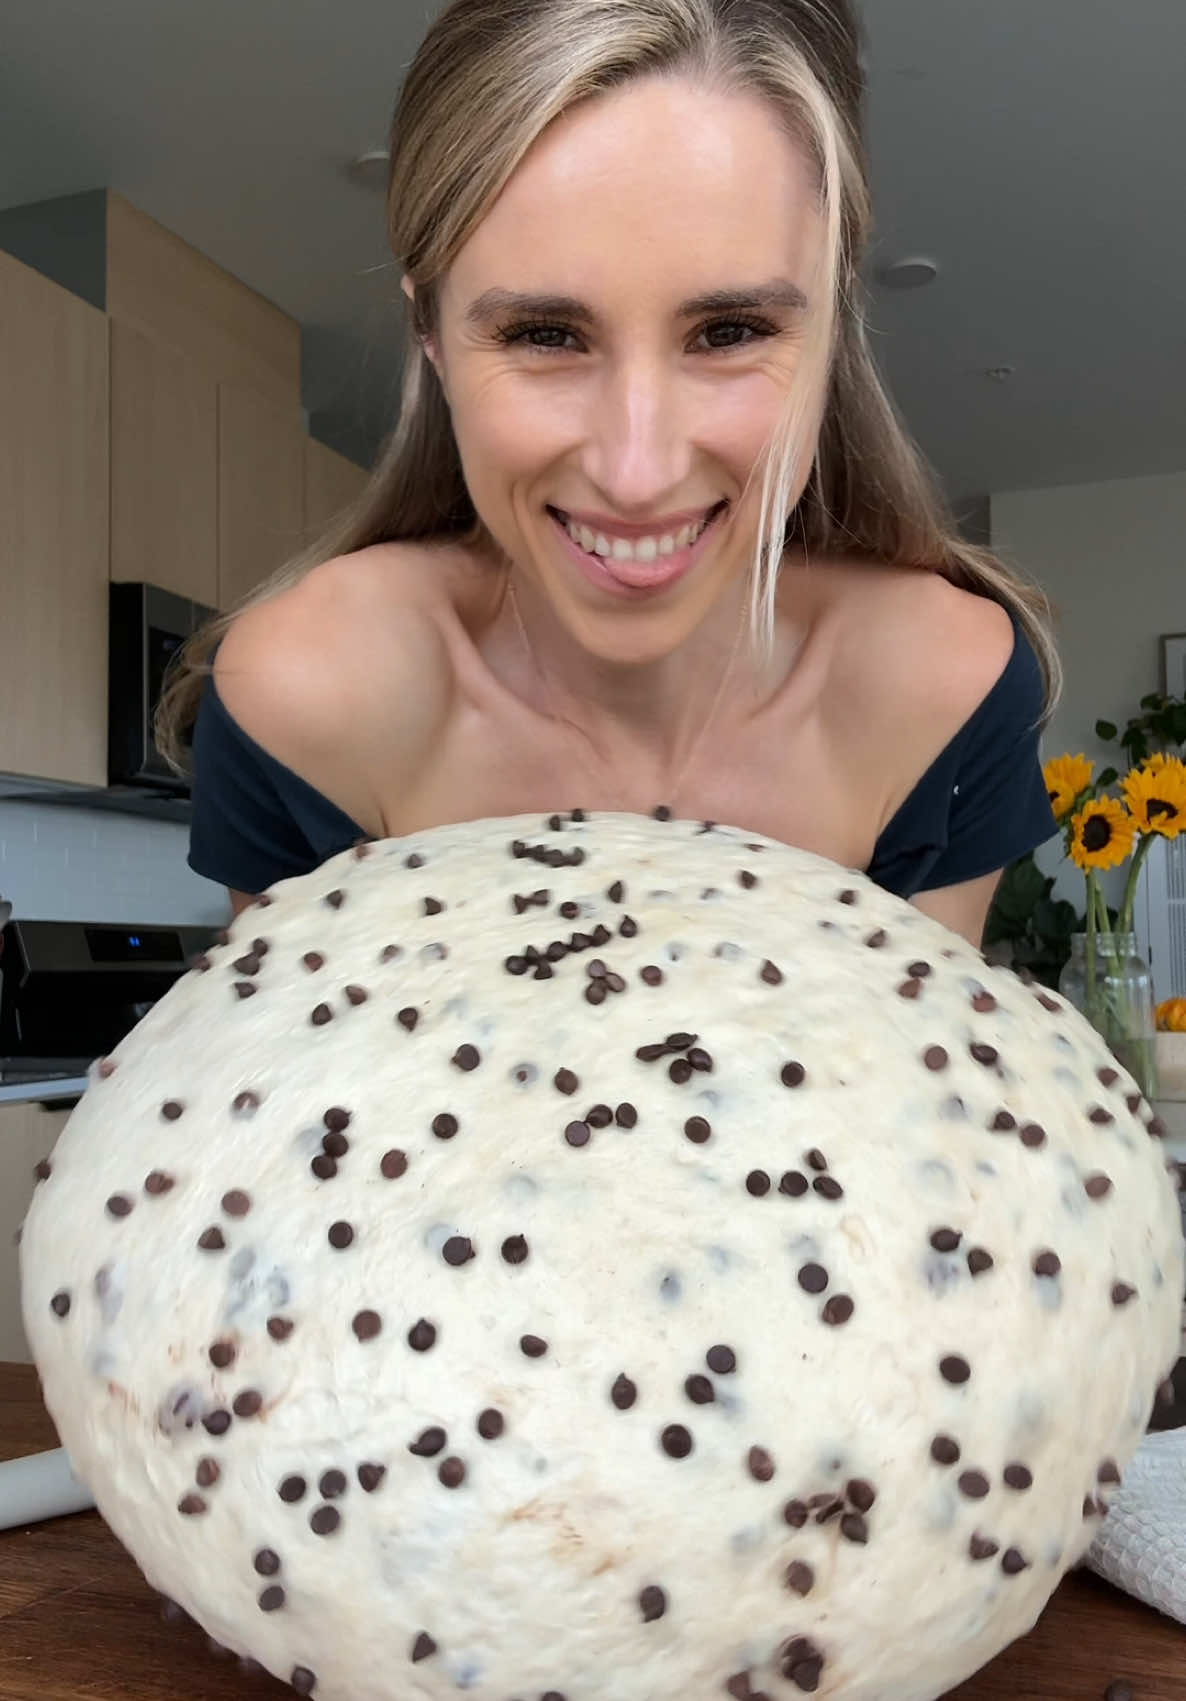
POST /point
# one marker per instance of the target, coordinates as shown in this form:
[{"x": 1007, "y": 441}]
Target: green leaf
[
  {"x": 1153, "y": 701},
  {"x": 1108, "y": 777},
  {"x": 1105, "y": 730}
]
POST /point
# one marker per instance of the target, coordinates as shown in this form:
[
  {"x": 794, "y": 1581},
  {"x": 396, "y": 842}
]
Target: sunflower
[
  {"x": 1156, "y": 797},
  {"x": 1066, "y": 777},
  {"x": 1102, "y": 834}
]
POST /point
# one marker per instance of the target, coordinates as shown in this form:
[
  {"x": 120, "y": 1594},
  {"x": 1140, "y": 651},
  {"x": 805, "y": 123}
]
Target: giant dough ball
[{"x": 604, "y": 1259}]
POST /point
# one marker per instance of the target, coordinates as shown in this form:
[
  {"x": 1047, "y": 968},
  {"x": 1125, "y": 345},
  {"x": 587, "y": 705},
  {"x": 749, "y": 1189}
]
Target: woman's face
[{"x": 616, "y": 342}]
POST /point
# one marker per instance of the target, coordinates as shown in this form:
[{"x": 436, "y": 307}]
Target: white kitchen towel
[{"x": 1142, "y": 1544}]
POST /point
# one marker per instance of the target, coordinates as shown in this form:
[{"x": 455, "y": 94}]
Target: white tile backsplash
[{"x": 69, "y": 864}]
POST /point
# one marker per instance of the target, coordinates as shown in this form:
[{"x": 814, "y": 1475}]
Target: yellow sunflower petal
[
  {"x": 1066, "y": 778},
  {"x": 1103, "y": 833},
  {"x": 1156, "y": 798}
]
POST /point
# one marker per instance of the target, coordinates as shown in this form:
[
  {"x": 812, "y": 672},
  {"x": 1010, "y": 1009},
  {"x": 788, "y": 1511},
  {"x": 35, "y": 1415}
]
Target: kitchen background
[{"x": 200, "y": 352}]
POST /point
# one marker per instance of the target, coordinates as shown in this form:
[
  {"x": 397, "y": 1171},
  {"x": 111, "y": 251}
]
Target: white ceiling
[{"x": 1034, "y": 147}]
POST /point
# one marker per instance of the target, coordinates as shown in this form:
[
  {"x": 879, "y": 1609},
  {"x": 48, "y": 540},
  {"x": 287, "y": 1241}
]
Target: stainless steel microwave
[{"x": 147, "y": 628}]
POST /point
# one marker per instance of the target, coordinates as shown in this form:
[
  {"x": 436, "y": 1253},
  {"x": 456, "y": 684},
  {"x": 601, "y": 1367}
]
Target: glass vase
[{"x": 1108, "y": 980}]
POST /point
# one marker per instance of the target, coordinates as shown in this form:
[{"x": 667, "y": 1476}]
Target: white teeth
[{"x": 641, "y": 549}]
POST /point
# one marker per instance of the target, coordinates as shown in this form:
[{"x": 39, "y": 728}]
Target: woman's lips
[{"x": 634, "y": 577}]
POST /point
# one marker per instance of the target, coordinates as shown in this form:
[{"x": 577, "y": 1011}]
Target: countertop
[{"x": 78, "y": 1622}]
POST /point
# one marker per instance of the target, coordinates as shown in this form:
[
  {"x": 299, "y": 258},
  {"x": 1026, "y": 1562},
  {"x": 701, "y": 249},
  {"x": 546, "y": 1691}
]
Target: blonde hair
[{"x": 489, "y": 78}]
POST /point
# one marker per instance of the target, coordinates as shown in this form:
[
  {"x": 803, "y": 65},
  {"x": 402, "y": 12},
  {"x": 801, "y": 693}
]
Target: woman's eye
[
  {"x": 723, "y": 335},
  {"x": 752, "y": 330},
  {"x": 545, "y": 337}
]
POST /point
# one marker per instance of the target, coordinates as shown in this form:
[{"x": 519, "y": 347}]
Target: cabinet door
[
  {"x": 261, "y": 476},
  {"x": 53, "y": 530},
  {"x": 331, "y": 484},
  {"x": 164, "y": 467},
  {"x": 27, "y": 1134}
]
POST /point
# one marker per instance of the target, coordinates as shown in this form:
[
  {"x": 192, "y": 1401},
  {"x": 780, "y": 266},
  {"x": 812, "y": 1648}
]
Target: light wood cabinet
[
  {"x": 27, "y": 1134},
  {"x": 261, "y": 476},
  {"x": 164, "y": 467},
  {"x": 331, "y": 484},
  {"x": 53, "y": 530}
]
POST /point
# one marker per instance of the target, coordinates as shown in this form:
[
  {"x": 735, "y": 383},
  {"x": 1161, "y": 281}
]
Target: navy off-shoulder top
[{"x": 981, "y": 804}]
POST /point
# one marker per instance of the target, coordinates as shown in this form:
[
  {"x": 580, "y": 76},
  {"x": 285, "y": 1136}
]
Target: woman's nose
[{"x": 638, "y": 441}]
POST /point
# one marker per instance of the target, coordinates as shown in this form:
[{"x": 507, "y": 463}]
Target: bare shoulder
[
  {"x": 351, "y": 660},
  {"x": 919, "y": 652}
]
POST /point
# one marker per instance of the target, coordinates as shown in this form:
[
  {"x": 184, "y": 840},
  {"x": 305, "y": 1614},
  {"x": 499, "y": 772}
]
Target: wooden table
[{"x": 78, "y": 1622}]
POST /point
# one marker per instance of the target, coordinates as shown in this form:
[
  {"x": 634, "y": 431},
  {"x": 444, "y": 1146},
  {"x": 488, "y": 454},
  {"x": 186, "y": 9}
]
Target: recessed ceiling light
[
  {"x": 370, "y": 168},
  {"x": 914, "y": 272},
  {"x": 999, "y": 374}
]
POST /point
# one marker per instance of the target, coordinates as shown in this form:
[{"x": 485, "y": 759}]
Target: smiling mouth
[{"x": 648, "y": 548}]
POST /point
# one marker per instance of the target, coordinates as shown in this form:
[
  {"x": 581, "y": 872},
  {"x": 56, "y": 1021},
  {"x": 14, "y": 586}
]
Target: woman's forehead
[{"x": 662, "y": 178}]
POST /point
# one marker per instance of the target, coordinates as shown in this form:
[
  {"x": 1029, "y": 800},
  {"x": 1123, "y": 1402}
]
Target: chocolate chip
[
  {"x": 236, "y": 1203},
  {"x": 466, "y": 1058},
  {"x": 514, "y": 1249},
  {"x": 423, "y": 1647},
  {"x": 935, "y": 1058},
  {"x": 813, "y": 1278},
  {"x": 676, "y": 1441},
  {"x": 973, "y": 1484},
  {"x": 910, "y": 989},
  {"x": 266, "y": 1562},
  {"x": 457, "y": 1250},
  {"x": 248, "y": 1404},
  {"x": 747, "y": 880},
  {"x": 1013, "y": 1561},
  {"x": 861, "y": 1494},
  {"x": 271, "y": 1599},
  {"x": 340, "y": 1235},
  {"x": 771, "y": 973},
  {"x": 626, "y": 1116},
  {"x": 393, "y": 1164},
  {"x": 245, "y": 1103},
  {"x": 292, "y": 1489},
  {"x": 370, "y": 1476},
  {"x": 211, "y": 1240},
  {"x": 816, "y": 1160},
  {"x": 335, "y": 899},
  {"x": 700, "y": 1390},
  {"x": 946, "y": 1239},
  {"x": 1004, "y": 1122},
  {"x": 172, "y": 1109},
  {"x": 1047, "y": 1264},
  {"x": 1019, "y": 1476},
  {"x": 451, "y": 1473},
  {"x": 979, "y": 1260},
  {"x": 599, "y": 1116},
  {"x": 828, "y": 1187},
  {"x": 245, "y": 988},
  {"x": 876, "y": 940},
  {"x": 662, "y": 813},
  {"x": 623, "y": 1393},
  {"x": 366, "y": 1324},
  {"x": 700, "y": 1060},
  {"x": 697, "y": 1129},
  {"x": 533, "y": 1346},
  {"x": 313, "y": 960},
  {"x": 757, "y": 1183},
  {"x": 429, "y": 1443},
  {"x": 793, "y": 1184},
  {"x": 721, "y": 1360},
  {"x": 422, "y": 1336},
  {"x": 60, "y": 1304},
  {"x": 217, "y": 1422},
  {"x": 578, "y": 1134},
  {"x": 408, "y": 1018},
  {"x": 119, "y": 1205},
  {"x": 945, "y": 1451},
  {"x": 799, "y": 1577},
  {"x": 651, "y": 975},
  {"x": 792, "y": 1074},
  {"x": 390, "y": 953},
  {"x": 838, "y": 1309},
  {"x": 1097, "y": 1186},
  {"x": 156, "y": 1182},
  {"x": 335, "y": 1145},
  {"x": 565, "y": 1081},
  {"x": 207, "y": 1473},
  {"x": 759, "y": 1464},
  {"x": 854, "y": 1528},
  {"x": 1033, "y": 1135},
  {"x": 222, "y": 1354},
  {"x": 191, "y": 1505},
  {"x": 325, "y": 1520},
  {"x": 1109, "y": 1472},
  {"x": 303, "y": 1680},
  {"x": 1122, "y": 1293},
  {"x": 954, "y": 1369},
  {"x": 491, "y": 1424},
  {"x": 986, "y": 1054},
  {"x": 279, "y": 1328},
  {"x": 680, "y": 1071},
  {"x": 653, "y": 1603},
  {"x": 981, "y": 1547},
  {"x": 248, "y": 965},
  {"x": 1101, "y": 1117}
]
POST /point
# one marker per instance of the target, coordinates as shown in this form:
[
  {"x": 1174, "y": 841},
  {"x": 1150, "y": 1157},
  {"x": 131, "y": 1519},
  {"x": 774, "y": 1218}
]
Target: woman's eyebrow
[{"x": 497, "y": 303}]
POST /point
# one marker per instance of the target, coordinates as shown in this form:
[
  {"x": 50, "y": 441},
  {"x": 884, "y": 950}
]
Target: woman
[{"x": 647, "y": 531}]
